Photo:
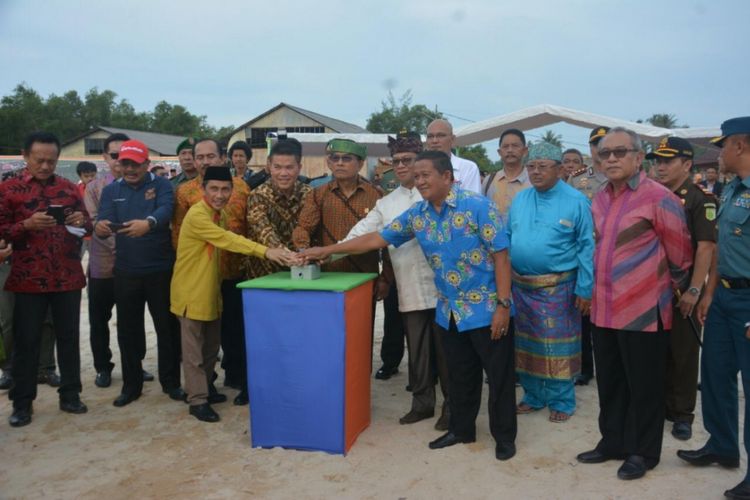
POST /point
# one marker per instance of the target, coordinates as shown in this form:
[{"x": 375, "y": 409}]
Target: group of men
[{"x": 505, "y": 278}]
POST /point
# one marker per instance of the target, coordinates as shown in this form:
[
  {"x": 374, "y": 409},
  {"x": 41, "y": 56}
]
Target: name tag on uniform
[{"x": 566, "y": 223}]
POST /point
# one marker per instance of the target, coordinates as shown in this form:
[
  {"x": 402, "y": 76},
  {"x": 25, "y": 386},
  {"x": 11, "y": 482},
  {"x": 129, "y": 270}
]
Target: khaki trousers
[{"x": 200, "y": 347}]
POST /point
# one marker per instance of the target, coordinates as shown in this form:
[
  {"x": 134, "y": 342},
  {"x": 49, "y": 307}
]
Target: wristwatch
[
  {"x": 504, "y": 303},
  {"x": 694, "y": 291},
  {"x": 151, "y": 222}
]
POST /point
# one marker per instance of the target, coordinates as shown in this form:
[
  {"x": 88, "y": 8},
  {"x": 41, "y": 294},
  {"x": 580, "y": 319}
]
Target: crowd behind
[{"x": 547, "y": 273}]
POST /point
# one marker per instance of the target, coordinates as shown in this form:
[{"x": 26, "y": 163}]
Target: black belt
[{"x": 735, "y": 282}]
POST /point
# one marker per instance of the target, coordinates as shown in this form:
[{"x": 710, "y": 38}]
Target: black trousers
[
  {"x": 101, "y": 292},
  {"x": 234, "y": 360},
  {"x": 587, "y": 352},
  {"x": 132, "y": 293},
  {"x": 630, "y": 377},
  {"x": 467, "y": 354},
  {"x": 29, "y": 314},
  {"x": 682, "y": 369},
  {"x": 392, "y": 346},
  {"x": 427, "y": 362}
]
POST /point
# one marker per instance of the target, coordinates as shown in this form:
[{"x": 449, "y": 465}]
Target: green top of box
[{"x": 329, "y": 282}]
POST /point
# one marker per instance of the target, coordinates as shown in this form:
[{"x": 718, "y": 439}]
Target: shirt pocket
[{"x": 738, "y": 215}]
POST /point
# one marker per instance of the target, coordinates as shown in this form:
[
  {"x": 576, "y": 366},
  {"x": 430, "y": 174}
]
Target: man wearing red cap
[{"x": 137, "y": 208}]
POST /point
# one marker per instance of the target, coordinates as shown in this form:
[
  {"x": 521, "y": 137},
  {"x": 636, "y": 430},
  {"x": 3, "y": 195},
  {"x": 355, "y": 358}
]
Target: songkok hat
[
  {"x": 217, "y": 174},
  {"x": 740, "y": 125},
  {"x": 596, "y": 135},
  {"x": 405, "y": 142},
  {"x": 543, "y": 150},
  {"x": 346, "y": 146}
]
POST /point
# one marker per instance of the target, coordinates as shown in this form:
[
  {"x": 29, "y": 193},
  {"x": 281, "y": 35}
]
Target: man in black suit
[{"x": 711, "y": 183}]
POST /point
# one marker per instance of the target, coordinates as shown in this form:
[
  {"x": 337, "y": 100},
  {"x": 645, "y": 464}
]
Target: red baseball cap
[{"x": 133, "y": 150}]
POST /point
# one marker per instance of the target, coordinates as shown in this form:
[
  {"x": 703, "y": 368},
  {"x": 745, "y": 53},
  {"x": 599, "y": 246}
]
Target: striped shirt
[{"x": 642, "y": 249}]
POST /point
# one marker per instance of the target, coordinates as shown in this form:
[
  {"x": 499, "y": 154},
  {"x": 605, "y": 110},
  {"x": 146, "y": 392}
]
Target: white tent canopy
[{"x": 524, "y": 119}]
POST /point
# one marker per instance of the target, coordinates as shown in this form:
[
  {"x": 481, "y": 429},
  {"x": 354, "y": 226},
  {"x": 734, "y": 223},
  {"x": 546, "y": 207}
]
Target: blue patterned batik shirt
[{"x": 458, "y": 242}]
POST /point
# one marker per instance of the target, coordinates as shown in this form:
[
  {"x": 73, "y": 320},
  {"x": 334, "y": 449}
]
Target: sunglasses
[
  {"x": 404, "y": 161},
  {"x": 114, "y": 156},
  {"x": 604, "y": 154}
]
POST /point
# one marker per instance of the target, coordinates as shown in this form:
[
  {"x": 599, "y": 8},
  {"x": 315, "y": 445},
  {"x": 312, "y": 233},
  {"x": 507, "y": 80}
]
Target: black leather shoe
[
  {"x": 49, "y": 377},
  {"x": 125, "y": 399},
  {"x": 177, "y": 394},
  {"x": 682, "y": 431},
  {"x": 415, "y": 416},
  {"x": 103, "y": 379},
  {"x": 204, "y": 413},
  {"x": 20, "y": 417},
  {"x": 583, "y": 379},
  {"x": 505, "y": 450},
  {"x": 705, "y": 457},
  {"x": 215, "y": 396},
  {"x": 449, "y": 439},
  {"x": 633, "y": 468},
  {"x": 595, "y": 457},
  {"x": 73, "y": 406},
  {"x": 241, "y": 399},
  {"x": 386, "y": 372},
  {"x": 739, "y": 492},
  {"x": 148, "y": 376},
  {"x": 6, "y": 381}
]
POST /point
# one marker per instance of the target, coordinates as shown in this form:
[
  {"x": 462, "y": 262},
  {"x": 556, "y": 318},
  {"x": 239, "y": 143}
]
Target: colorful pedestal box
[{"x": 309, "y": 355}]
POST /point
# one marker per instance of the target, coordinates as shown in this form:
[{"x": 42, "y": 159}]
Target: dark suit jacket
[{"x": 718, "y": 187}]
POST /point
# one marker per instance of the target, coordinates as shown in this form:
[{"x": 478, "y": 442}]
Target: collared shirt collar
[
  {"x": 27, "y": 177},
  {"x": 335, "y": 184},
  {"x": 451, "y": 200},
  {"x": 277, "y": 194},
  {"x": 632, "y": 183},
  {"x": 523, "y": 177}
]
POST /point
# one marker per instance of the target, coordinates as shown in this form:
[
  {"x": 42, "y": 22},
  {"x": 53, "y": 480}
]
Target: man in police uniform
[
  {"x": 674, "y": 162},
  {"x": 725, "y": 308},
  {"x": 589, "y": 181}
]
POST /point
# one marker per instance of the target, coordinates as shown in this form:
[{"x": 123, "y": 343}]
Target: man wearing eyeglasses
[
  {"x": 642, "y": 254},
  {"x": 552, "y": 255},
  {"x": 589, "y": 181},
  {"x": 465, "y": 172},
  {"x": 333, "y": 209},
  {"x": 137, "y": 209},
  {"x": 414, "y": 279}
]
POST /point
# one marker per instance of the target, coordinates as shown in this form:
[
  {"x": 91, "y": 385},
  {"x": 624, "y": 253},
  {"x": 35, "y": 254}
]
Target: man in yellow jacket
[{"x": 196, "y": 284}]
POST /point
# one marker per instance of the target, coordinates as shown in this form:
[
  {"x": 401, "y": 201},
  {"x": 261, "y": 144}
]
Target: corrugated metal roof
[
  {"x": 332, "y": 123},
  {"x": 164, "y": 144}
]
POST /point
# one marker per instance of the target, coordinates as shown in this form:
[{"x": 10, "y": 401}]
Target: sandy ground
[{"x": 152, "y": 448}]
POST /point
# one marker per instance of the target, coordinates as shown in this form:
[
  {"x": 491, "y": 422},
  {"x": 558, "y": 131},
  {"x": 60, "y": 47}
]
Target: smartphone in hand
[
  {"x": 58, "y": 212},
  {"x": 116, "y": 226}
]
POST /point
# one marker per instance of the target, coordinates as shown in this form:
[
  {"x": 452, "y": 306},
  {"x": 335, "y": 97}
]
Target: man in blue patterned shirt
[{"x": 464, "y": 240}]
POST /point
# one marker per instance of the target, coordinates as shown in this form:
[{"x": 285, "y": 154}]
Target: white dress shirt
[
  {"x": 466, "y": 174},
  {"x": 414, "y": 276}
]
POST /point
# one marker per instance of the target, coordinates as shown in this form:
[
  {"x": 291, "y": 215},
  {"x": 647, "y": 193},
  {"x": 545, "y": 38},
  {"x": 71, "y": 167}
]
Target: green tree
[
  {"x": 552, "y": 138},
  {"x": 396, "y": 116},
  {"x": 20, "y": 112},
  {"x": 664, "y": 120},
  {"x": 477, "y": 154}
]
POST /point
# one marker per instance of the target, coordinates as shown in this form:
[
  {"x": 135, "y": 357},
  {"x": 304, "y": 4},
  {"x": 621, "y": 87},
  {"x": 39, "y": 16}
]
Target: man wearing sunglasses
[
  {"x": 332, "y": 210},
  {"x": 642, "y": 254},
  {"x": 417, "y": 295},
  {"x": 101, "y": 288}
]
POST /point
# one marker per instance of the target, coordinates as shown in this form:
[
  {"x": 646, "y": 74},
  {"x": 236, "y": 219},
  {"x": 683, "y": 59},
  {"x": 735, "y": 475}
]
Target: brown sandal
[
  {"x": 558, "y": 417},
  {"x": 523, "y": 409}
]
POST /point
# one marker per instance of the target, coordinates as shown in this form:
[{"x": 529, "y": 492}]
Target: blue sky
[{"x": 231, "y": 60}]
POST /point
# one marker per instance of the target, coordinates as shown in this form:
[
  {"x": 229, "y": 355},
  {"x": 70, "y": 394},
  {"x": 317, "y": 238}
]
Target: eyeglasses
[
  {"x": 604, "y": 154},
  {"x": 341, "y": 158},
  {"x": 114, "y": 156},
  {"x": 406, "y": 161}
]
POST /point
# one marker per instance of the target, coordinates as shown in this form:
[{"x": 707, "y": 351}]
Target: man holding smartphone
[{"x": 46, "y": 272}]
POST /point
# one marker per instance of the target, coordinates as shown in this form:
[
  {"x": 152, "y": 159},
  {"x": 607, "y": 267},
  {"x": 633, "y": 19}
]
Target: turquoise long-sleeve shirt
[{"x": 553, "y": 232}]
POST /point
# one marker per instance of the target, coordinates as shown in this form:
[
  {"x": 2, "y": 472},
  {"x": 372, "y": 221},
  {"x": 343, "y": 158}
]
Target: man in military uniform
[
  {"x": 725, "y": 307},
  {"x": 674, "y": 162},
  {"x": 589, "y": 181},
  {"x": 185, "y": 156}
]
